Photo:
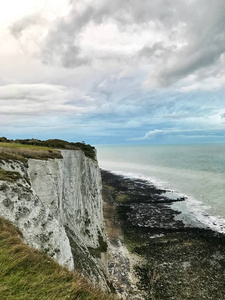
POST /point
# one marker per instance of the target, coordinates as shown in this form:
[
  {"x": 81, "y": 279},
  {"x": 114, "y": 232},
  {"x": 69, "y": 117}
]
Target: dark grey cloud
[
  {"x": 157, "y": 50},
  {"x": 205, "y": 38},
  {"x": 20, "y": 25},
  {"x": 62, "y": 43},
  {"x": 193, "y": 32}
]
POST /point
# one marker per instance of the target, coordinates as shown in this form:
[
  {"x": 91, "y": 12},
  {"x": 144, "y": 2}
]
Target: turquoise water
[{"x": 196, "y": 171}]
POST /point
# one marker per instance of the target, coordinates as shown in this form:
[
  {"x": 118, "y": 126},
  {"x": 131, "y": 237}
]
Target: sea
[{"x": 196, "y": 172}]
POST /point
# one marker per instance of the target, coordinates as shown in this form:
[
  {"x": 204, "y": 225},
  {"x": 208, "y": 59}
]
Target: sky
[{"x": 113, "y": 72}]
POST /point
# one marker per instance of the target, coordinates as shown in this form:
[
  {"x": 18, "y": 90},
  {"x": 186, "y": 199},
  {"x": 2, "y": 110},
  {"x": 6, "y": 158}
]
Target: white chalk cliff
[{"x": 57, "y": 205}]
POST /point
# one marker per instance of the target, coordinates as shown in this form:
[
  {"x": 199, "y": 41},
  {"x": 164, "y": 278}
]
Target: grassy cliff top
[
  {"x": 33, "y": 148},
  {"x": 22, "y": 152},
  {"x": 30, "y": 274}
]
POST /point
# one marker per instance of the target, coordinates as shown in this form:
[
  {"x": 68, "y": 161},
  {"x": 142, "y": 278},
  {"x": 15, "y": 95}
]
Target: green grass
[
  {"x": 88, "y": 150},
  {"x": 96, "y": 252},
  {"x": 21, "y": 152},
  {"x": 7, "y": 156},
  {"x": 9, "y": 175},
  {"x": 28, "y": 274},
  {"x": 122, "y": 198},
  {"x": 50, "y": 144},
  {"x": 23, "y": 146}
]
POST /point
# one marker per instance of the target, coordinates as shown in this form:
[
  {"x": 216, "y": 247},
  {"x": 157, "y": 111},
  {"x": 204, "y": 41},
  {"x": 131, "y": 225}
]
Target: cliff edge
[{"x": 57, "y": 205}]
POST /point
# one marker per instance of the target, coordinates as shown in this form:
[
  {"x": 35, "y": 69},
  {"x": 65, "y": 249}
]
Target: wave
[{"x": 193, "y": 212}]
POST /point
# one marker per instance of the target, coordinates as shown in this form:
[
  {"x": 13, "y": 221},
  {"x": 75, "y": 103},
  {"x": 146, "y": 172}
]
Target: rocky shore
[{"x": 167, "y": 259}]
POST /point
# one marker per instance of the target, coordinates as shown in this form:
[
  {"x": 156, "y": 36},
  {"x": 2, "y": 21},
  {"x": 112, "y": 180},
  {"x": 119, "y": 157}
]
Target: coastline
[
  {"x": 192, "y": 212},
  {"x": 180, "y": 261}
]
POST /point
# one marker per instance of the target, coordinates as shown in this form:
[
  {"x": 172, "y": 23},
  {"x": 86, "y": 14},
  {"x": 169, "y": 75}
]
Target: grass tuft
[
  {"x": 28, "y": 274},
  {"x": 9, "y": 175}
]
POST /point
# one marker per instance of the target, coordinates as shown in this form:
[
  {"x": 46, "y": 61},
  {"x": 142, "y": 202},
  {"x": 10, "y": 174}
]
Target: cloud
[
  {"x": 213, "y": 83},
  {"x": 63, "y": 44},
  {"x": 40, "y": 99},
  {"x": 153, "y": 133},
  {"x": 169, "y": 38},
  {"x": 191, "y": 43},
  {"x": 181, "y": 133},
  {"x": 203, "y": 42},
  {"x": 119, "y": 67},
  {"x": 25, "y": 23},
  {"x": 177, "y": 116}
]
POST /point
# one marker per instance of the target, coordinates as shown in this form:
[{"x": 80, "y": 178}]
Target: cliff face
[
  {"x": 57, "y": 205},
  {"x": 71, "y": 188}
]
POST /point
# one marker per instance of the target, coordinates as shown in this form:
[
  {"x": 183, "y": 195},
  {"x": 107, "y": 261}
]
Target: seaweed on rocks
[{"x": 180, "y": 261}]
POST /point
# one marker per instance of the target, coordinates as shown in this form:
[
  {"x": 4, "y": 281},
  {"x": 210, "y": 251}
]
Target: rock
[{"x": 57, "y": 205}]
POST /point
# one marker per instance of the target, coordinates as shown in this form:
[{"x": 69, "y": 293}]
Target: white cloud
[
  {"x": 167, "y": 37},
  {"x": 208, "y": 84},
  {"x": 153, "y": 133},
  {"x": 12, "y": 10},
  {"x": 181, "y": 133},
  {"x": 41, "y": 99}
]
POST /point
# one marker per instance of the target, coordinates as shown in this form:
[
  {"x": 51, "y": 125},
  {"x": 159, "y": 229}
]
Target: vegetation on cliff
[
  {"x": 30, "y": 274},
  {"x": 46, "y": 148},
  {"x": 9, "y": 175},
  {"x": 21, "y": 152}
]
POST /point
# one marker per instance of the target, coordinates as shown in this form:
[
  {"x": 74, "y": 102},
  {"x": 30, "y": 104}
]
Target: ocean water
[{"x": 194, "y": 171}]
